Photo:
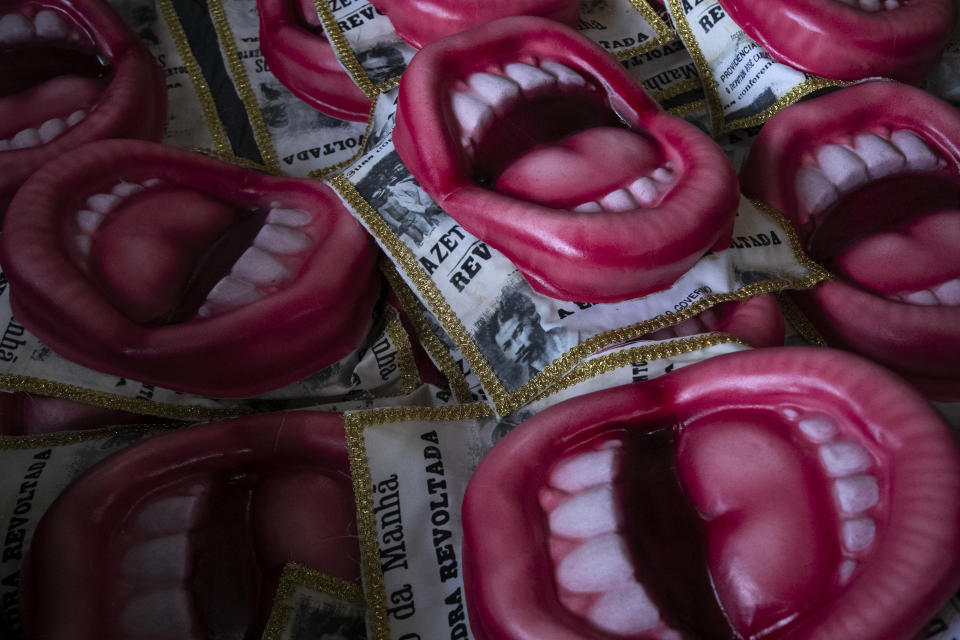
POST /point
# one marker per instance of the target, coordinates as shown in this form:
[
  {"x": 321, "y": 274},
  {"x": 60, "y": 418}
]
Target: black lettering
[{"x": 402, "y": 599}]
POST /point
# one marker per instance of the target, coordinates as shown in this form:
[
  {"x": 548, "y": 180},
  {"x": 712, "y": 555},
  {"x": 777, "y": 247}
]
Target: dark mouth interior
[
  {"x": 878, "y": 207},
  {"x": 28, "y": 66}
]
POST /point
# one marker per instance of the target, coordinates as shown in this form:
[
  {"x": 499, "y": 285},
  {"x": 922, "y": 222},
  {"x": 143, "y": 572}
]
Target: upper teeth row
[
  {"x": 492, "y": 93},
  {"x": 946, "y": 293},
  {"x": 839, "y": 168},
  {"x": 16, "y": 28},
  {"x": 259, "y": 269},
  {"x": 873, "y": 5},
  {"x": 34, "y": 137},
  {"x": 645, "y": 191}
]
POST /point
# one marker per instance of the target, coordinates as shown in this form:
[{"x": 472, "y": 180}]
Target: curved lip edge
[
  {"x": 307, "y": 65},
  {"x": 896, "y": 417},
  {"x": 757, "y": 321},
  {"x": 146, "y": 352},
  {"x": 858, "y": 58},
  {"x": 76, "y": 517}
]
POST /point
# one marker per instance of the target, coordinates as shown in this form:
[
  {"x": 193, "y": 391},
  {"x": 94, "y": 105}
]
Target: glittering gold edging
[
  {"x": 674, "y": 90},
  {"x": 799, "y": 321},
  {"x": 242, "y": 83},
  {"x": 28, "y": 384},
  {"x": 295, "y": 575},
  {"x": 324, "y": 172},
  {"x": 605, "y": 363},
  {"x": 435, "y": 301},
  {"x": 59, "y": 439},
  {"x": 409, "y": 376},
  {"x": 689, "y": 109},
  {"x": 718, "y": 122},
  {"x": 344, "y": 53},
  {"x": 374, "y": 587},
  {"x": 246, "y": 163},
  {"x": 209, "y": 107},
  {"x": 429, "y": 340},
  {"x": 663, "y": 32},
  {"x": 506, "y": 402}
]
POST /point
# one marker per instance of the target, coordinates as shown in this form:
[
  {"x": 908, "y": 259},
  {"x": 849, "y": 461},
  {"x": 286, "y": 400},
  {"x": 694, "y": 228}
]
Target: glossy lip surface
[
  {"x": 840, "y": 39},
  {"x": 752, "y": 443},
  {"x": 143, "y": 295},
  {"x": 133, "y": 104},
  {"x": 757, "y": 321},
  {"x": 299, "y": 56},
  {"x": 241, "y": 495},
  {"x": 420, "y": 22},
  {"x": 870, "y": 309},
  {"x": 541, "y": 151},
  {"x": 27, "y": 413}
]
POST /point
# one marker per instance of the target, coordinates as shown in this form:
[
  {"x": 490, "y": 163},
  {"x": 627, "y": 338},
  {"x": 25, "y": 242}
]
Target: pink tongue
[
  {"x": 146, "y": 250},
  {"x": 56, "y": 98},
  {"x": 582, "y": 167},
  {"x": 772, "y": 553},
  {"x": 923, "y": 253}
]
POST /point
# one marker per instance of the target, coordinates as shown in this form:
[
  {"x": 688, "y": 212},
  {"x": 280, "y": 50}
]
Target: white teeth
[
  {"x": 472, "y": 114},
  {"x": 25, "y": 139},
  {"x": 882, "y": 158},
  {"x": 619, "y": 200},
  {"x": 586, "y": 514},
  {"x": 814, "y": 191},
  {"x": 124, "y": 189},
  {"x": 918, "y": 154},
  {"x": 51, "y": 129},
  {"x": 924, "y": 297},
  {"x": 891, "y": 4},
  {"x": 842, "y": 167},
  {"x": 498, "y": 91},
  {"x": 585, "y": 470},
  {"x": 948, "y": 293},
  {"x": 281, "y": 239},
  {"x": 846, "y": 570},
  {"x": 589, "y": 207},
  {"x": 259, "y": 267},
  {"x": 158, "y": 561},
  {"x": 870, "y": 5},
  {"x": 157, "y": 615},
  {"x": 103, "y": 202},
  {"x": 231, "y": 293},
  {"x": 858, "y": 534},
  {"x": 169, "y": 515},
  {"x": 530, "y": 78},
  {"x": 4, "y": 145},
  {"x": 818, "y": 429},
  {"x": 625, "y": 611},
  {"x": 15, "y": 28},
  {"x": 564, "y": 74},
  {"x": 599, "y": 564},
  {"x": 89, "y": 221},
  {"x": 83, "y": 244},
  {"x": 857, "y": 493},
  {"x": 50, "y": 25},
  {"x": 289, "y": 217},
  {"x": 644, "y": 190},
  {"x": 76, "y": 117},
  {"x": 663, "y": 174},
  {"x": 844, "y": 458}
]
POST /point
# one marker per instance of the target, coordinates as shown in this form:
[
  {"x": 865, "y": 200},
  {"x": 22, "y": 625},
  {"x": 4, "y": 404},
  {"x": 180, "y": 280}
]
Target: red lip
[
  {"x": 423, "y": 21},
  {"x": 121, "y": 95},
  {"x": 136, "y": 259},
  {"x": 202, "y": 520},
  {"x": 840, "y": 39},
  {"x": 299, "y": 56},
  {"x": 904, "y": 210},
  {"x": 757, "y": 321},
  {"x": 787, "y": 493},
  {"x": 512, "y": 173},
  {"x": 27, "y": 414}
]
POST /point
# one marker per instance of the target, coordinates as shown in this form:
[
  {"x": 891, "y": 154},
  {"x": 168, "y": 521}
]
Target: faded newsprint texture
[
  {"x": 370, "y": 36},
  {"x": 620, "y": 28},
  {"x": 944, "y": 82}
]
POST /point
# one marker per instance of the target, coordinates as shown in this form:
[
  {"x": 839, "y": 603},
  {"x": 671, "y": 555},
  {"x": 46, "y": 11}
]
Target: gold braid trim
[
  {"x": 295, "y": 575},
  {"x": 409, "y": 376},
  {"x": 664, "y": 33},
  {"x": 799, "y": 321},
  {"x": 344, "y": 53},
  {"x": 59, "y": 439}
]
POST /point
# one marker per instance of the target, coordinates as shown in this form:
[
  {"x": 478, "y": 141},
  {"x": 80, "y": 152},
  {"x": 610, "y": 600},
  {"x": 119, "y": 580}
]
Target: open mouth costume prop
[
  {"x": 850, "y": 39},
  {"x": 73, "y": 72},
  {"x": 780, "y": 493},
  {"x": 870, "y": 177},
  {"x": 540, "y": 144},
  {"x": 756, "y": 321},
  {"x": 300, "y": 56},
  {"x": 185, "y": 535},
  {"x": 177, "y": 270},
  {"x": 423, "y": 21}
]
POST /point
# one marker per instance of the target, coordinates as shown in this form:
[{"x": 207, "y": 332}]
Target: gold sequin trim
[
  {"x": 799, "y": 321},
  {"x": 28, "y": 384},
  {"x": 689, "y": 109},
  {"x": 676, "y": 89},
  {"x": 344, "y": 53},
  {"x": 663, "y": 32},
  {"x": 429, "y": 340},
  {"x": 209, "y": 107},
  {"x": 296, "y": 575},
  {"x": 327, "y": 171},
  {"x": 234, "y": 160},
  {"x": 242, "y": 82},
  {"x": 44, "y": 440},
  {"x": 409, "y": 376},
  {"x": 719, "y": 125}
]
